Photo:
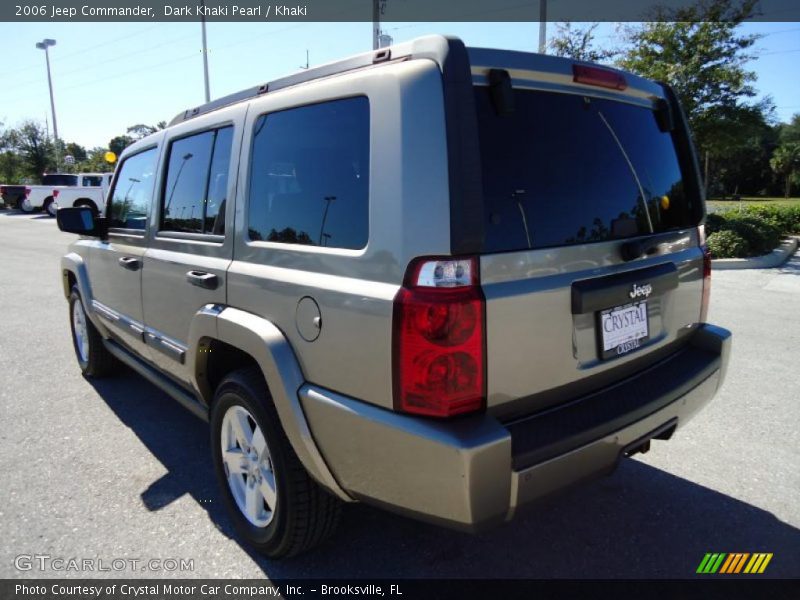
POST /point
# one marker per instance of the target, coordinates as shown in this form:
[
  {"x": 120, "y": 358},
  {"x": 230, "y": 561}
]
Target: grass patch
[{"x": 717, "y": 205}]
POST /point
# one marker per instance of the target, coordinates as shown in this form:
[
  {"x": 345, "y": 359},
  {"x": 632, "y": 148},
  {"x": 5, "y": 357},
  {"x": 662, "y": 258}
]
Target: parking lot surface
[{"x": 116, "y": 469}]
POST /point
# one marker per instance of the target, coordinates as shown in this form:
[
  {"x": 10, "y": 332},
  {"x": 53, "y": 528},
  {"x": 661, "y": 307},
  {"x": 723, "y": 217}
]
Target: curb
[{"x": 774, "y": 259}]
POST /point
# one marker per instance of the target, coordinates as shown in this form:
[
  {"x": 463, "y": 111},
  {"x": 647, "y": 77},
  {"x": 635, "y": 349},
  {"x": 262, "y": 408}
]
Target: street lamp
[
  {"x": 328, "y": 200},
  {"x": 44, "y": 45}
]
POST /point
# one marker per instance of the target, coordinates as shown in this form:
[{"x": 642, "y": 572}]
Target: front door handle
[
  {"x": 130, "y": 262},
  {"x": 208, "y": 281}
]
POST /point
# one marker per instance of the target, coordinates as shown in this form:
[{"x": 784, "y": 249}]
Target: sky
[{"x": 109, "y": 76}]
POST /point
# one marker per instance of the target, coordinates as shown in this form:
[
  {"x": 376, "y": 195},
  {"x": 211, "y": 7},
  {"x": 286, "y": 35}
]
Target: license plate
[{"x": 623, "y": 329}]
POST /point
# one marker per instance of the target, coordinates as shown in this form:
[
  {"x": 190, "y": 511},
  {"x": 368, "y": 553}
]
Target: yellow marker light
[
  {"x": 112, "y": 158},
  {"x": 665, "y": 202}
]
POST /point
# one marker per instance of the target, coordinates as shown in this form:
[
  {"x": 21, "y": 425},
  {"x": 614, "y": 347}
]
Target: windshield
[{"x": 567, "y": 169}]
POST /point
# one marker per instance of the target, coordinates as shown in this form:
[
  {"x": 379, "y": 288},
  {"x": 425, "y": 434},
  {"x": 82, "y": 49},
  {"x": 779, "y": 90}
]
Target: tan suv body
[{"x": 445, "y": 281}]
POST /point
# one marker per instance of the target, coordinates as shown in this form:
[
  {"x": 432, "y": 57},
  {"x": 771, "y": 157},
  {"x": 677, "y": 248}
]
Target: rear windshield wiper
[{"x": 631, "y": 167}]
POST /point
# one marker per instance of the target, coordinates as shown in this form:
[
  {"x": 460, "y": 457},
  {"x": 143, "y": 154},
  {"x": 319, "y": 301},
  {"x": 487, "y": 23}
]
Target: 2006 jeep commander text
[{"x": 441, "y": 280}]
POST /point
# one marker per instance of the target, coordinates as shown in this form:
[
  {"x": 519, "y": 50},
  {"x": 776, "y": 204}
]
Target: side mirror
[{"x": 81, "y": 220}]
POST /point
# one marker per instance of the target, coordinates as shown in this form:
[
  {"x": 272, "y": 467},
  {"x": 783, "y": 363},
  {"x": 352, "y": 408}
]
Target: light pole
[
  {"x": 542, "y": 26},
  {"x": 205, "y": 51},
  {"x": 44, "y": 45},
  {"x": 328, "y": 200}
]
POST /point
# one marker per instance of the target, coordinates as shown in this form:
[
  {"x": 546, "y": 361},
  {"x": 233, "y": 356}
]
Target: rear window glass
[
  {"x": 309, "y": 178},
  {"x": 60, "y": 180},
  {"x": 566, "y": 169}
]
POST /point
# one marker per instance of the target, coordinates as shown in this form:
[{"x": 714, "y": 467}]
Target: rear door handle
[
  {"x": 130, "y": 262},
  {"x": 202, "y": 279}
]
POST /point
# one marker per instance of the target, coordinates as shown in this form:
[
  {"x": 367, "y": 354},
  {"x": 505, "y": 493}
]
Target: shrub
[
  {"x": 786, "y": 218},
  {"x": 727, "y": 244},
  {"x": 761, "y": 235},
  {"x": 714, "y": 222}
]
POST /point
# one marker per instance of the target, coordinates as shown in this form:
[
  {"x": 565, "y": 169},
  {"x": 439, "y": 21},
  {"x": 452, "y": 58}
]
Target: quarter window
[
  {"x": 196, "y": 184},
  {"x": 309, "y": 177},
  {"x": 133, "y": 191}
]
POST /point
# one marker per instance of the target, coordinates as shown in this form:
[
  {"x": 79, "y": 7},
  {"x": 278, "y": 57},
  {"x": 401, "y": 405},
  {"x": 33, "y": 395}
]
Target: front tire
[
  {"x": 273, "y": 502},
  {"x": 94, "y": 359}
]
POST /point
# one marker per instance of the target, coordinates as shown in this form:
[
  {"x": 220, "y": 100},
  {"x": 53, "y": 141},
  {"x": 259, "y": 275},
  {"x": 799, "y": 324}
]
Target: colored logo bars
[{"x": 734, "y": 563}]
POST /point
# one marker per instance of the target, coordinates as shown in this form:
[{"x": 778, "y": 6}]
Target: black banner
[
  {"x": 710, "y": 588},
  {"x": 368, "y": 10}
]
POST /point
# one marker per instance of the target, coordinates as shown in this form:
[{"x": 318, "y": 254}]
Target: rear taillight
[
  {"x": 598, "y": 77},
  {"x": 27, "y": 192},
  {"x": 706, "y": 274},
  {"x": 438, "y": 339},
  {"x": 55, "y": 193},
  {"x": 2, "y": 190}
]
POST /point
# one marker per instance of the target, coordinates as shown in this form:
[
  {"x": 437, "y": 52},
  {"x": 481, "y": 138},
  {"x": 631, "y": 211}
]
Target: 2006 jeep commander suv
[{"x": 445, "y": 281}]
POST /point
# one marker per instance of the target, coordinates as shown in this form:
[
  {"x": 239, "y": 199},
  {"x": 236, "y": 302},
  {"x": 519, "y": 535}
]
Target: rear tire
[
  {"x": 50, "y": 207},
  {"x": 94, "y": 359},
  {"x": 273, "y": 502},
  {"x": 89, "y": 203}
]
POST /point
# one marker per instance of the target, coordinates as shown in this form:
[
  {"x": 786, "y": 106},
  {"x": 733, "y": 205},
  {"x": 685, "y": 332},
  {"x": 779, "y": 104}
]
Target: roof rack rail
[{"x": 434, "y": 47}]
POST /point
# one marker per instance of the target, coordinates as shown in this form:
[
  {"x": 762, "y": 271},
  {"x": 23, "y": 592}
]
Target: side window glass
[
  {"x": 91, "y": 181},
  {"x": 196, "y": 183},
  {"x": 216, "y": 197},
  {"x": 309, "y": 175},
  {"x": 130, "y": 200}
]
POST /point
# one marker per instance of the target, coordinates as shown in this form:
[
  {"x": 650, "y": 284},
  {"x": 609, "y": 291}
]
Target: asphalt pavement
[{"x": 115, "y": 469}]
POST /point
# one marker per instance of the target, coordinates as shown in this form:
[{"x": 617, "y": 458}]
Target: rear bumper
[{"x": 474, "y": 472}]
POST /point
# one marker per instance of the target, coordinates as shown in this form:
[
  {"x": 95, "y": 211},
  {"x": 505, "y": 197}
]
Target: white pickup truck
[
  {"x": 93, "y": 196},
  {"x": 40, "y": 197}
]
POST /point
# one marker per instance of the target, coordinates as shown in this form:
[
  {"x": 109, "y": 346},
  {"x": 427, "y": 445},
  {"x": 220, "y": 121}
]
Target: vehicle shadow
[
  {"x": 13, "y": 212},
  {"x": 640, "y": 522}
]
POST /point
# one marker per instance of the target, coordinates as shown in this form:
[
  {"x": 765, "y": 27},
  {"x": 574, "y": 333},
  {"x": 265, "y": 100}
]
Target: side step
[{"x": 161, "y": 381}]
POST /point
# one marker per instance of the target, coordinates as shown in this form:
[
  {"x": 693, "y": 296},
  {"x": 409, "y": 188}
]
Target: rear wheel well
[
  {"x": 85, "y": 202},
  {"x": 216, "y": 359}
]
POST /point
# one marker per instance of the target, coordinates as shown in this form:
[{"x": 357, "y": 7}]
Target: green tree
[
  {"x": 34, "y": 149},
  {"x": 744, "y": 151},
  {"x": 578, "y": 43},
  {"x": 790, "y": 132},
  {"x": 119, "y": 143},
  {"x": 786, "y": 164},
  {"x": 141, "y": 130},
  {"x": 95, "y": 162},
  {"x": 10, "y": 164},
  {"x": 77, "y": 151},
  {"x": 699, "y": 51}
]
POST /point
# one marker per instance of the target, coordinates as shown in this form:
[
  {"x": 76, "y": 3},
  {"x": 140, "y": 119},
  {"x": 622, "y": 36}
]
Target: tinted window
[
  {"x": 133, "y": 191},
  {"x": 91, "y": 180},
  {"x": 216, "y": 196},
  {"x": 566, "y": 169},
  {"x": 196, "y": 182},
  {"x": 309, "y": 177},
  {"x": 55, "y": 180}
]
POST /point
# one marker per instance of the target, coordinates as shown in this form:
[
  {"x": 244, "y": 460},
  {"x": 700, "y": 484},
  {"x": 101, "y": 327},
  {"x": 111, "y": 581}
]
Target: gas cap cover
[{"x": 308, "y": 319}]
